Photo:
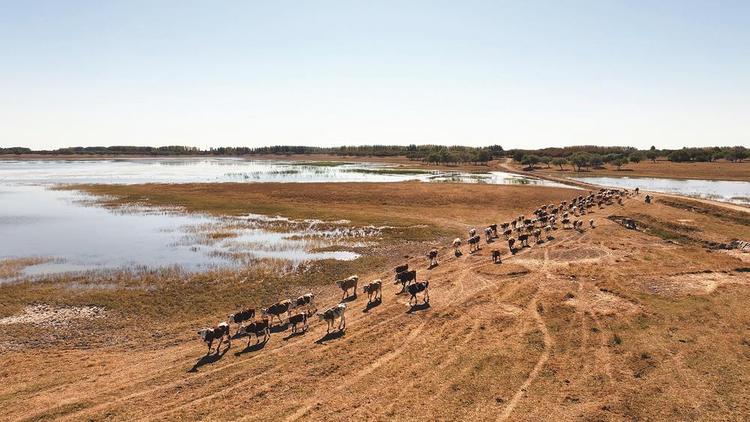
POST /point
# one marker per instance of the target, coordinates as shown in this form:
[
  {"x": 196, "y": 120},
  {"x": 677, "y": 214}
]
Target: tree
[
  {"x": 560, "y": 162},
  {"x": 620, "y": 162},
  {"x": 652, "y": 155},
  {"x": 580, "y": 160},
  {"x": 530, "y": 160},
  {"x": 483, "y": 156},
  {"x": 741, "y": 153},
  {"x": 546, "y": 160},
  {"x": 596, "y": 161},
  {"x": 636, "y": 157},
  {"x": 518, "y": 156}
]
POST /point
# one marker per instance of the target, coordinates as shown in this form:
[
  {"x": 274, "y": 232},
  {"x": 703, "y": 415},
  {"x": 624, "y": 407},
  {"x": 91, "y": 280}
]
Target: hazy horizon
[{"x": 517, "y": 74}]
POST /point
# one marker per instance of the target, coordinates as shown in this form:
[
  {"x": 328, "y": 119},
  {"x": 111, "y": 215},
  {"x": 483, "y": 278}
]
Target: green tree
[
  {"x": 636, "y": 157},
  {"x": 620, "y": 162},
  {"x": 546, "y": 160},
  {"x": 530, "y": 160},
  {"x": 652, "y": 155},
  {"x": 560, "y": 162},
  {"x": 580, "y": 160},
  {"x": 596, "y": 161}
]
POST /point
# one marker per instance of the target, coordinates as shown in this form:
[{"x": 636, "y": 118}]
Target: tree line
[{"x": 580, "y": 157}]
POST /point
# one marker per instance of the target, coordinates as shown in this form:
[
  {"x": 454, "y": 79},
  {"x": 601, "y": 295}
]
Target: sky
[{"x": 521, "y": 74}]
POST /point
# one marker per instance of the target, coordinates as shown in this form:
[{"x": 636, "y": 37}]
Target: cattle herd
[{"x": 569, "y": 214}]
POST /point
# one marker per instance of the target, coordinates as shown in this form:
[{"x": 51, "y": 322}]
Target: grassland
[{"x": 607, "y": 324}]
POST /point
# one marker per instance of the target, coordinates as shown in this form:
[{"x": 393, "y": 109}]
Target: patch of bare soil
[
  {"x": 53, "y": 316},
  {"x": 694, "y": 283},
  {"x": 598, "y": 302}
]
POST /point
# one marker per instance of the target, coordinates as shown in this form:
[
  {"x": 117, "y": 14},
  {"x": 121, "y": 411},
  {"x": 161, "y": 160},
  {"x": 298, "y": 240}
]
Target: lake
[{"x": 737, "y": 192}]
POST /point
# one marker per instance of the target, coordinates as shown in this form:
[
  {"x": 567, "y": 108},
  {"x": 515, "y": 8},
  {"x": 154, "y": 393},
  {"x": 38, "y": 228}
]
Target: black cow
[
  {"x": 415, "y": 288},
  {"x": 496, "y": 257},
  {"x": 405, "y": 277},
  {"x": 300, "y": 318},
  {"x": 242, "y": 316},
  {"x": 262, "y": 326},
  {"x": 402, "y": 268},
  {"x": 217, "y": 333},
  {"x": 432, "y": 256}
]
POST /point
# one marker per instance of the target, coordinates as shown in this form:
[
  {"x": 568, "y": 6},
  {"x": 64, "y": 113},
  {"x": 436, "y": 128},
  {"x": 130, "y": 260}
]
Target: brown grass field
[{"x": 606, "y": 324}]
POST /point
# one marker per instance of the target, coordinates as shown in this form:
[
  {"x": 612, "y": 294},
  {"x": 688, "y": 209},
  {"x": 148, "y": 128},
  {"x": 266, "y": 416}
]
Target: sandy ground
[{"x": 605, "y": 324}]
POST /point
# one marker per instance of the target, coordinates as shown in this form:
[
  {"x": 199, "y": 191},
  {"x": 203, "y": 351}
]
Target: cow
[
  {"x": 511, "y": 242},
  {"x": 496, "y": 257},
  {"x": 524, "y": 239},
  {"x": 474, "y": 243},
  {"x": 402, "y": 268},
  {"x": 488, "y": 233},
  {"x": 591, "y": 222},
  {"x": 300, "y": 318},
  {"x": 277, "y": 309},
  {"x": 537, "y": 233},
  {"x": 507, "y": 233},
  {"x": 208, "y": 335},
  {"x": 422, "y": 286},
  {"x": 493, "y": 227},
  {"x": 348, "y": 284},
  {"x": 241, "y": 316},
  {"x": 432, "y": 256},
  {"x": 405, "y": 278},
  {"x": 374, "y": 288},
  {"x": 257, "y": 328},
  {"x": 306, "y": 300},
  {"x": 332, "y": 314},
  {"x": 457, "y": 246},
  {"x": 472, "y": 232}
]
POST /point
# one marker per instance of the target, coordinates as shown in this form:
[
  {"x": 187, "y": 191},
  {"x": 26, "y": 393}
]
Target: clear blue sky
[{"x": 520, "y": 74}]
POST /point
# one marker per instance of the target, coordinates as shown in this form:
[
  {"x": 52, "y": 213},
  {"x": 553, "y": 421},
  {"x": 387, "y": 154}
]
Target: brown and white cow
[
  {"x": 348, "y": 284},
  {"x": 277, "y": 309},
  {"x": 373, "y": 289}
]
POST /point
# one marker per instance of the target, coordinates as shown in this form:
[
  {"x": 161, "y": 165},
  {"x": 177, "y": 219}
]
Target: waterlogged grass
[{"x": 388, "y": 171}]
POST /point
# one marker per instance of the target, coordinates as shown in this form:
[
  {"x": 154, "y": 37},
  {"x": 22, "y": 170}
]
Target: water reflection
[
  {"x": 72, "y": 236},
  {"x": 722, "y": 190},
  {"x": 208, "y": 170}
]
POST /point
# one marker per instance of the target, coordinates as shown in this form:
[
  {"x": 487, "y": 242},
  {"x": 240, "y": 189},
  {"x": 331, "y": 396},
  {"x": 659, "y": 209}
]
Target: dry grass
[{"x": 571, "y": 329}]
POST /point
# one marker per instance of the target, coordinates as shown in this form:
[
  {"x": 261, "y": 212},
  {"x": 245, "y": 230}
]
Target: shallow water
[
  {"x": 721, "y": 190},
  {"x": 73, "y": 235},
  {"x": 207, "y": 170},
  {"x": 62, "y": 227}
]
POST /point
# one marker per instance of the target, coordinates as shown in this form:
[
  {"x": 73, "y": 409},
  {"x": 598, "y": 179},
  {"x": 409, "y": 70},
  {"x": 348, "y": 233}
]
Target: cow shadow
[
  {"x": 418, "y": 307},
  {"x": 253, "y": 347},
  {"x": 294, "y": 334},
  {"x": 349, "y": 298},
  {"x": 333, "y": 335},
  {"x": 374, "y": 304},
  {"x": 207, "y": 359},
  {"x": 432, "y": 266},
  {"x": 279, "y": 328}
]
